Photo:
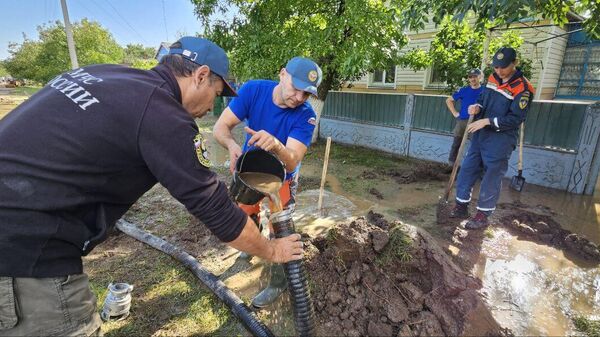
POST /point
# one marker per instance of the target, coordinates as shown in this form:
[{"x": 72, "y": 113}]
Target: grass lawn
[{"x": 24, "y": 91}]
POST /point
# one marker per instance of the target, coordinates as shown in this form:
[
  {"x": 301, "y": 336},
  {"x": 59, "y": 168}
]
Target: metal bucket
[{"x": 256, "y": 160}]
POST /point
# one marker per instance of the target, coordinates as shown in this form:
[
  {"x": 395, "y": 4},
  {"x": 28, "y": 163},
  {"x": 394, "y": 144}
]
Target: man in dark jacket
[
  {"x": 499, "y": 111},
  {"x": 76, "y": 155}
]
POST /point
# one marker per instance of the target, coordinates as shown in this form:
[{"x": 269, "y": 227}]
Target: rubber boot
[{"x": 277, "y": 285}]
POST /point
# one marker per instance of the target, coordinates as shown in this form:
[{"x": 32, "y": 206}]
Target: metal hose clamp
[
  {"x": 281, "y": 216},
  {"x": 117, "y": 302}
]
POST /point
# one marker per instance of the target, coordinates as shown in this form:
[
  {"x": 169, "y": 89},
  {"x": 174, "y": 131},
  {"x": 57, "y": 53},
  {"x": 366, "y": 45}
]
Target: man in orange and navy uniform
[{"x": 499, "y": 111}]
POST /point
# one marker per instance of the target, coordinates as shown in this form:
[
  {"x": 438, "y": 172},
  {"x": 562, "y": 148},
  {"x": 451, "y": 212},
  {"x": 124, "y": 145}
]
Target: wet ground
[{"x": 532, "y": 287}]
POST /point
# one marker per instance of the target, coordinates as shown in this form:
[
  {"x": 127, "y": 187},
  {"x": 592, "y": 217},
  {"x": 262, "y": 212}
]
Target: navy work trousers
[{"x": 489, "y": 153}]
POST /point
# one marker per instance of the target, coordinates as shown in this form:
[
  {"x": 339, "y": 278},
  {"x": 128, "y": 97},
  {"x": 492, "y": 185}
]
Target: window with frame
[
  {"x": 435, "y": 77},
  {"x": 384, "y": 77}
]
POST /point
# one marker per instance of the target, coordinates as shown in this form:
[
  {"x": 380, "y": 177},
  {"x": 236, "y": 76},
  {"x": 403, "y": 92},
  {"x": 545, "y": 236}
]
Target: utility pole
[{"x": 69, "y": 31}]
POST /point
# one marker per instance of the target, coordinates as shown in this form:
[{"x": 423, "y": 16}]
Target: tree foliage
[
  {"x": 144, "y": 63},
  {"x": 349, "y": 38},
  {"x": 137, "y": 54},
  {"x": 507, "y": 12},
  {"x": 3, "y": 71},
  {"x": 42, "y": 59},
  {"x": 457, "y": 48}
]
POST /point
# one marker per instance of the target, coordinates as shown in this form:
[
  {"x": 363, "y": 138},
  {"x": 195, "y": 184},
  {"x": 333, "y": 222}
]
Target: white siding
[
  {"x": 554, "y": 61},
  {"x": 546, "y": 56},
  {"x": 407, "y": 76}
]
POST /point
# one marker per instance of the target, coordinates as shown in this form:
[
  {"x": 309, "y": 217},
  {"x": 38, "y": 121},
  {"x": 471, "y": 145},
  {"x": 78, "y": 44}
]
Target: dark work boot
[
  {"x": 460, "y": 211},
  {"x": 277, "y": 285},
  {"x": 479, "y": 221}
]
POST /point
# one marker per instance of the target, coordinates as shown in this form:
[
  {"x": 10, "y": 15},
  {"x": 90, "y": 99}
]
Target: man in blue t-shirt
[
  {"x": 467, "y": 95},
  {"x": 278, "y": 120}
]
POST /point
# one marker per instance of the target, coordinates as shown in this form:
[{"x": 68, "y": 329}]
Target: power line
[
  {"x": 124, "y": 20},
  {"x": 498, "y": 27},
  {"x": 539, "y": 30},
  {"x": 109, "y": 15},
  {"x": 82, "y": 3},
  {"x": 165, "y": 20}
]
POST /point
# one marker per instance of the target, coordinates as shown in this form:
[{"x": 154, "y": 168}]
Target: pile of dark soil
[
  {"x": 367, "y": 280},
  {"x": 544, "y": 229}
]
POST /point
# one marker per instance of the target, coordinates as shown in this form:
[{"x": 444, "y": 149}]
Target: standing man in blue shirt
[
  {"x": 281, "y": 121},
  {"x": 467, "y": 95}
]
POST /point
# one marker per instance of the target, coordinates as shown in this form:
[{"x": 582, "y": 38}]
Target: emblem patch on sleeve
[
  {"x": 312, "y": 121},
  {"x": 524, "y": 101},
  {"x": 201, "y": 151}
]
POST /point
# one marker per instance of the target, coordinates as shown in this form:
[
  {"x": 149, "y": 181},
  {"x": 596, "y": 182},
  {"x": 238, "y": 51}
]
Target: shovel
[
  {"x": 518, "y": 181},
  {"x": 459, "y": 156}
]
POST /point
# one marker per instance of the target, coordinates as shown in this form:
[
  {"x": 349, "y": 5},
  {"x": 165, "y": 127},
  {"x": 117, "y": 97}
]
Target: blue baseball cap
[
  {"x": 474, "y": 72},
  {"x": 205, "y": 52},
  {"x": 306, "y": 74},
  {"x": 503, "y": 57}
]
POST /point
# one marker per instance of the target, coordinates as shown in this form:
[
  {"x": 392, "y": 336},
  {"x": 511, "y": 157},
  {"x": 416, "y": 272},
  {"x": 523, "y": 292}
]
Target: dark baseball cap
[
  {"x": 205, "y": 52},
  {"x": 474, "y": 72},
  {"x": 306, "y": 74},
  {"x": 503, "y": 57}
]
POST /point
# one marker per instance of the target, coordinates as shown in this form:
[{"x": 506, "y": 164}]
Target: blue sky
[{"x": 129, "y": 21}]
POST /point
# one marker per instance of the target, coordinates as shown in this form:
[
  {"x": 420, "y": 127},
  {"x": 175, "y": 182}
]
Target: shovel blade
[{"x": 517, "y": 183}]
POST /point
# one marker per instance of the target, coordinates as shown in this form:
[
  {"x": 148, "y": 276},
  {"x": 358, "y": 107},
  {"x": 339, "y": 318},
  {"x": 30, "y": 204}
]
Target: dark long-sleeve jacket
[
  {"x": 76, "y": 155},
  {"x": 506, "y": 103}
]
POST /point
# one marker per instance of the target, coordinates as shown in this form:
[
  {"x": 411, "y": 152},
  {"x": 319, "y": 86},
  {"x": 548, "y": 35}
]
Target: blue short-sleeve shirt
[
  {"x": 467, "y": 96},
  {"x": 254, "y": 104}
]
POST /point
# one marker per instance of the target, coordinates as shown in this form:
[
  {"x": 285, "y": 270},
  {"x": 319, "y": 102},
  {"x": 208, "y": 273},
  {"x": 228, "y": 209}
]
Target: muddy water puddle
[{"x": 535, "y": 289}]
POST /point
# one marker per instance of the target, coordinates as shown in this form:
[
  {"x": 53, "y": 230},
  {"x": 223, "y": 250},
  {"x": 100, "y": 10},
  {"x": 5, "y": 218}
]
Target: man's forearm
[
  {"x": 250, "y": 241},
  {"x": 223, "y": 135},
  {"x": 450, "y": 105},
  {"x": 288, "y": 156}
]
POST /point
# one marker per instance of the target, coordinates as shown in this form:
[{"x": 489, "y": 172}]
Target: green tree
[
  {"x": 23, "y": 64},
  {"x": 144, "y": 63},
  {"x": 43, "y": 59},
  {"x": 3, "y": 71},
  {"x": 458, "y": 47},
  {"x": 506, "y": 12},
  {"x": 346, "y": 38},
  {"x": 136, "y": 52},
  {"x": 349, "y": 38}
]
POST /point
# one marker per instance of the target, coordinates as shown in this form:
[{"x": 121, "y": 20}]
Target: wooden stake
[{"x": 324, "y": 174}]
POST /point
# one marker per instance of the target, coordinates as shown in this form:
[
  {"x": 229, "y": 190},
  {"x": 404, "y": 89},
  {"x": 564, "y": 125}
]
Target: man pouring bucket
[{"x": 279, "y": 120}]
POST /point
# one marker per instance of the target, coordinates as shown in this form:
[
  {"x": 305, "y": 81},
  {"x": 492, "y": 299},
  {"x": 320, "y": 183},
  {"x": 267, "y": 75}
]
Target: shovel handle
[
  {"x": 459, "y": 156},
  {"x": 521, "y": 136}
]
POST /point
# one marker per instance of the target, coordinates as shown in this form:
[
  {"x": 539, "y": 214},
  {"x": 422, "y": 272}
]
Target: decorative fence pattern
[{"x": 561, "y": 138}]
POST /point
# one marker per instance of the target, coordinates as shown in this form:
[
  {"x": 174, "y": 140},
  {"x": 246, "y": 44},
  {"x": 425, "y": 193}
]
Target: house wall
[{"x": 547, "y": 59}]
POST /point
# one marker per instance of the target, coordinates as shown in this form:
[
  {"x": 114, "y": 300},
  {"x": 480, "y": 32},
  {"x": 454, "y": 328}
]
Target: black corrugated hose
[
  {"x": 239, "y": 309},
  {"x": 296, "y": 276}
]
